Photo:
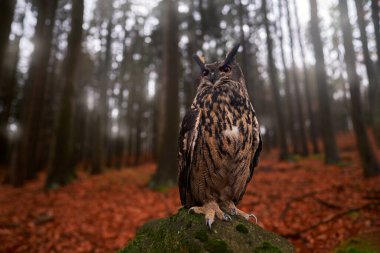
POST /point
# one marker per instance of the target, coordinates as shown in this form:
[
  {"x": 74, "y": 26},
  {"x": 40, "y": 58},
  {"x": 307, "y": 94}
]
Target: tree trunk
[
  {"x": 313, "y": 125},
  {"x": 373, "y": 78},
  {"x": 24, "y": 165},
  {"x": 289, "y": 94},
  {"x": 130, "y": 116},
  {"x": 273, "y": 75},
  {"x": 100, "y": 151},
  {"x": 300, "y": 116},
  {"x": 167, "y": 163},
  {"x": 249, "y": 60},
  {"x": 124, "y": 69},
  {"x": 139, "y": 112},
  {"x": 8, "y": 94},
  {"x": 370, "y": 164},
  {"x": 194, "y": 44},
  {"x": 376, "y": 108},
  {"x": 7, "y": 8},
  {"x": 39, "y": 81},
  {"x": 246, "y": 65},
  {"x": 62, "y": 170},
  {"x": 326, "y": 125},
  {"x": 376, "y": 24}
]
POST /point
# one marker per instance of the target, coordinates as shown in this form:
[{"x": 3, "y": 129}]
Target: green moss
[
  {"x": 192, "y": 247},
  {"x": 354, "y": 214},
  {"x": 267, "y": 247},
  {"x": 358, "y": 245},
  {"x": 189, "y": 224},
  {"x": 188, "y": 233},
  {"x": 217, "y": 246},
  {"x": 343, "y": 164},
  {"x": 318, "y": 157},
  {"x": 294, "y": 158},
  {"x": 354, "y": 250},
  {"x": 201, "y": 235},
  {"x": 242, "y": 229},
  {"x": 163, "y": 189}
]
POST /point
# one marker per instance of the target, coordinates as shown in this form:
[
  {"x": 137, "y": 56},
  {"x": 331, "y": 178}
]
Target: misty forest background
[
  {"x": 96, "y": 85},
  {"x": 92, "y": 93}
]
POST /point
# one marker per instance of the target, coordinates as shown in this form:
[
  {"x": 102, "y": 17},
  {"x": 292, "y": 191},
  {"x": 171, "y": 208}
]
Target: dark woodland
[{"x": 93, "y": 92}]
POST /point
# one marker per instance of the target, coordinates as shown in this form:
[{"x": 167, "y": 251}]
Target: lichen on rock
[{"x": 188, "y": 233}]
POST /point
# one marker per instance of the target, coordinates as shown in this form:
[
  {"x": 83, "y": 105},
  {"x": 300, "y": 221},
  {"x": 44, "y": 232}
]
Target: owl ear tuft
[
  {"x": 200, "y": 60},
  {"x": 231, "y": 55}
]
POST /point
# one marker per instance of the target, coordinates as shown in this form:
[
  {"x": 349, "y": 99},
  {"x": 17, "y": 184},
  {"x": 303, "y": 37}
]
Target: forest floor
[{"x": 313, "y": 205}]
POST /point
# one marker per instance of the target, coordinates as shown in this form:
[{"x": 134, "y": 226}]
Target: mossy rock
[
  {"x": 188, "y": 233},
  {"x": 364, "y": 243}
]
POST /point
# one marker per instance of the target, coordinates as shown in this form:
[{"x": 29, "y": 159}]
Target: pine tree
[
  {"x": 370, "y": 164},
  {"x": 326, "y": 125},
  {"x": 62, "y": 170}
]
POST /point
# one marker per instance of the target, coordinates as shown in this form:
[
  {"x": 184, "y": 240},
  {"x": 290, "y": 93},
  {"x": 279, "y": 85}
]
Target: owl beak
[{"x": 212, "y": 77}]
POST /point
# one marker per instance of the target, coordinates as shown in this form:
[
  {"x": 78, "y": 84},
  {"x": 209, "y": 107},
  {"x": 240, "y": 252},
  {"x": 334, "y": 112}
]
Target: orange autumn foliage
[{"x": 313, "y": 205}]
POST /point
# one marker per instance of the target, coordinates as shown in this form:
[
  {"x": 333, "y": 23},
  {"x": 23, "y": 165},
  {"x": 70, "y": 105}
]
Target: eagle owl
[{"x": 219, "y": 142}]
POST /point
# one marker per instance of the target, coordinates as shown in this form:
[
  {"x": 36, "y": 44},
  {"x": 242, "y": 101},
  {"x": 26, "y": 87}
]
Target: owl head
[{"x": 227, "y": 69}]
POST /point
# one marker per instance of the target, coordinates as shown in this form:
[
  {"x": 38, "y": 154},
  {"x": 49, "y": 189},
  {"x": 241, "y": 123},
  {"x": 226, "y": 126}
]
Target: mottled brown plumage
[{"x": 219, "y": 143}]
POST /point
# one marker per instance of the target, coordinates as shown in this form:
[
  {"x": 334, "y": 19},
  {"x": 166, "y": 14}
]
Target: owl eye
[
  {"x": 225, "y": 69},
  {"x": 205, "y": 72}
]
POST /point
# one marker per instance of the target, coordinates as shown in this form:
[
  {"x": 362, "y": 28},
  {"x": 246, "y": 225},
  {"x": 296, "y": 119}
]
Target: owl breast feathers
[{"x": 219, "y": 142}]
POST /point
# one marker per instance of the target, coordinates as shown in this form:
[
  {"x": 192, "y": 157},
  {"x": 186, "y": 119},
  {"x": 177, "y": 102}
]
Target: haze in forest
[{"x": 92, "y": 87}]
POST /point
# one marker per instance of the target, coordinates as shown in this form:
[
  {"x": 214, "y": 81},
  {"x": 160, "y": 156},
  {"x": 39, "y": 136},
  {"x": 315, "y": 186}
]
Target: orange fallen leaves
[
  {"x": 314, "y": 205},
  {"x": 94, "y": 214}
]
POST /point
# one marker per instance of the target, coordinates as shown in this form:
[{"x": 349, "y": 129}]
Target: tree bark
[
  {"x": 123, "y": 87},
  {"x": 376, "y": 24},
  {"x": 300, "y": 116},
  {"x": 130, "y": 116},
  {"x": 249, "y": 59},
  {"x": 376, "y": 109},
  {"x": 369, "y": 162},
  {"x": 273, "y": 75},
  {"x": 8, "y": 90},
  {"x": 326, "y": 125},
  {"x": 24, "y": 164},
  {"x": 7, "y": 8},
  {"x": 8, "y": 94},
  {"x": 100, "y": 154},
  {"x": 167, "y": 162},
  {"x": 194, "y": 44},
  {"x": 313, "y": 124},
  {"x": 373, "y": 78},
  {"x": 246, "y": 58},
  {"x": 39, "y": 77},
  {"x": 289, "y": 95},
  {"x": 62, "y": 170}
]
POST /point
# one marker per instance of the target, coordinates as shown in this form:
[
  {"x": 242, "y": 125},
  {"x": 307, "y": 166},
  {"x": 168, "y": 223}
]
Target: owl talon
[
  {"x": 227, "y": 217},
  {"x": 235, "y": 211},
  {"x": 210, "y": 210},
  {"x": 251, "y": 215},
  {"x": 209, "y": 223}
]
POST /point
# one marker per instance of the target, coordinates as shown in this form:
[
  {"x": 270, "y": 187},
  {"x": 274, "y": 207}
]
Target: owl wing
[
  {"x": 255, "y": 159},
  {"x": 187, "y": 140},
  {"x": 253, "y": 164}
]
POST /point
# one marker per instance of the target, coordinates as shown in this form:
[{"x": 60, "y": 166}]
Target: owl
[{"x": 219, "y": 142}]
